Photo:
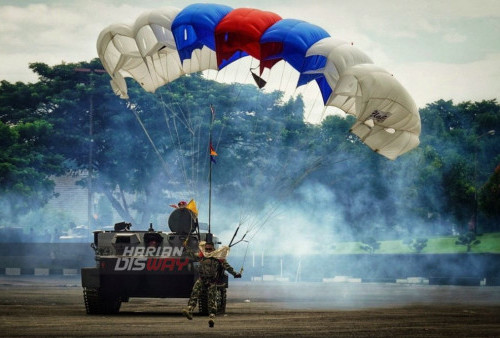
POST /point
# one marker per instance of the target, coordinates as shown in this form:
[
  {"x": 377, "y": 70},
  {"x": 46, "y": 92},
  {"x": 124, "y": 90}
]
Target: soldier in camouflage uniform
[{"x": 210, "y": 269}]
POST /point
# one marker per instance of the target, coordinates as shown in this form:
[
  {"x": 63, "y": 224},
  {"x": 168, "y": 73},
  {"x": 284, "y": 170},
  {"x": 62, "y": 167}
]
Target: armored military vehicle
[{"x": 147, "y": 264}]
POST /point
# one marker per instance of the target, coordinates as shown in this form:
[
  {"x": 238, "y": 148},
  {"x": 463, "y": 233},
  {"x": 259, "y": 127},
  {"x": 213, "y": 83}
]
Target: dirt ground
[{"x": 48, "y": 306}]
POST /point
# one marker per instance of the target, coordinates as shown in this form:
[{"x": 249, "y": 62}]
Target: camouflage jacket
[{"x": 211, "y": 269}]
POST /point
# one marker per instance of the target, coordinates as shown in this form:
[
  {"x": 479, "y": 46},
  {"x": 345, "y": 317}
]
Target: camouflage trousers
[{"x": 210, "y": 289}]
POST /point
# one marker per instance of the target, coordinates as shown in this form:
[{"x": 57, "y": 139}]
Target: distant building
[{"x": 72, "y": 198}]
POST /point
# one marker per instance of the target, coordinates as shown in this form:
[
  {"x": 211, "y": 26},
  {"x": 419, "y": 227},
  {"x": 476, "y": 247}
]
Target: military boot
[
  {"x": 211, "y": 320},
  {"x": 188, "y": 312}
]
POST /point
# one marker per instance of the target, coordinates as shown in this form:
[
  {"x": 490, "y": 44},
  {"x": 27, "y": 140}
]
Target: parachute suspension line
[
  {"x": 192, "y": 145},
  {"x": 166, "y": 119},
  {"x": 238, "y": 64},
  {"x": 157, "y": 78},
  {"x": 198, "y": 153},
  {"x": 258, "y": 226},
  {"x": 256, "y": 223},
  {"x": 290, "y": 78},
  {"x": 223, "y": 126},
  {"x": 177, "y": 116},
  {"x": 244, "y": 258},
  {"x": 253, "y": 139},
  {"x": 172, "y": 140},
  {"x": 178, "y": 143},
  {"x": 282, "y": 76},
  {"x": 213, "y": 67},
  {"x": 217, "y": 72},
  {"x": 249, "y": 73},
  {"x": 259, "y": 222},
  {"x": 323, "y": 113},
  {"x": 312, "y": 105},
  {"x": 133, "y": 109},
  {"x": 236, "y": 97},
  {"x": 188, "y": 125}
]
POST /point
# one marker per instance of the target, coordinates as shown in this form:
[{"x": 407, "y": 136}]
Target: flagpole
[
  {"x": 210, "y": 187},
  {"x": 212, "y": 115}
]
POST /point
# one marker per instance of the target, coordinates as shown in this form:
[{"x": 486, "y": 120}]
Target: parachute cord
[
  {"x": 179, "y": 157},
  {"x": 289, "y": 80},
  {"x": 282, "y": 75},
  {"x": 195, "y": 148},
  {"x": 196, "y": 164},
  {"x": 257, "y": 226},
  {"x": 183, "y": 164},
  {"x": 255, "y": 221},
  {"x": 179, "y": 147},
  {"x": 312, "y": 106},
  {"x": 189, "y": 177},
  {"x": 323, "y": 113},
  {"x": 244, "y": 258},
  {"x": 248, "y": 74},
  {"x": 164, "y": 164},
  {"x": 237, "y": 71}
]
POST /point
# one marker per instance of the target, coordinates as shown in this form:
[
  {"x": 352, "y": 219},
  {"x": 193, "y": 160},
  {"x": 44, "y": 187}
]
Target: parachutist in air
[{"x": 211, "y": 270}]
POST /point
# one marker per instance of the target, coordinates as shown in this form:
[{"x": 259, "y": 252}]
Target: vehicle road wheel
[{"x": 96, "y": 304}]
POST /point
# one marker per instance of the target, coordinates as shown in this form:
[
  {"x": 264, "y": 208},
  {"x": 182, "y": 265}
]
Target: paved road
[{"x": 49, "y": 306}]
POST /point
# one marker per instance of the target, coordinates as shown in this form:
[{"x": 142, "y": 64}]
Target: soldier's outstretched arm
[{"x": 230, "y": 269}]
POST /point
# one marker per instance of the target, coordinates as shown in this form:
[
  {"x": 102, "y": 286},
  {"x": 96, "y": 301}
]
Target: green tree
[
  {"x": 458, "y": 184},
  {"x": 156, "y": 145},
  {"x": 468, "y": 240},
  {"x": 370, "y": 244},
  {"x": 19, "y": 101},
  {"x": 151, "y": 144},
  {"x": 460, "y": 154},
  {"x": 104, "y": 212},
  {"x": 417, "y": 244},
  {"x": 27, "y": 160},
  {"x": 489, "y": 198}
]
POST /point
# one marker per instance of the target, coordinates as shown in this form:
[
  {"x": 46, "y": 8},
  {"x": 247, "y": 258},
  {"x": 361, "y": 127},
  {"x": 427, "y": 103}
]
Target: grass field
[{"x": 489, "y": 243}]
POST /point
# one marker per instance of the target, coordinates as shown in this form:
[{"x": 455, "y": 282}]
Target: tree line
[{"x": 144, "y": 150}]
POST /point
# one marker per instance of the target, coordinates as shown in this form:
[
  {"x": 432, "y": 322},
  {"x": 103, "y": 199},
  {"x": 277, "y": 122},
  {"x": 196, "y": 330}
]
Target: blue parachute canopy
[
  {"x": 194, "y": 27},
  {"x": 296, "y": 37}
]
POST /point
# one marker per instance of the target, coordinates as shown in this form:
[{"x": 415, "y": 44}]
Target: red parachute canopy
[{"x": 238, "y": 34}]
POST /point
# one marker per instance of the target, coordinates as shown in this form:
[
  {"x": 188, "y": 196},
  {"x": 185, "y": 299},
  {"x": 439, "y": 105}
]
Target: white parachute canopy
[
  {"x": 340, "y": 56},
  {"x": 387, "y": 119},
  {"x": 145, "y": 51}
]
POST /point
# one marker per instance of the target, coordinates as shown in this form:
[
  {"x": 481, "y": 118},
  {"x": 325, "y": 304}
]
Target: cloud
[
  {"x": 474, "y": 81},
  {"x": 53, "y": 33},
  {"x": 420, "y": 42},
  {"x": 454, "y": 38}
]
